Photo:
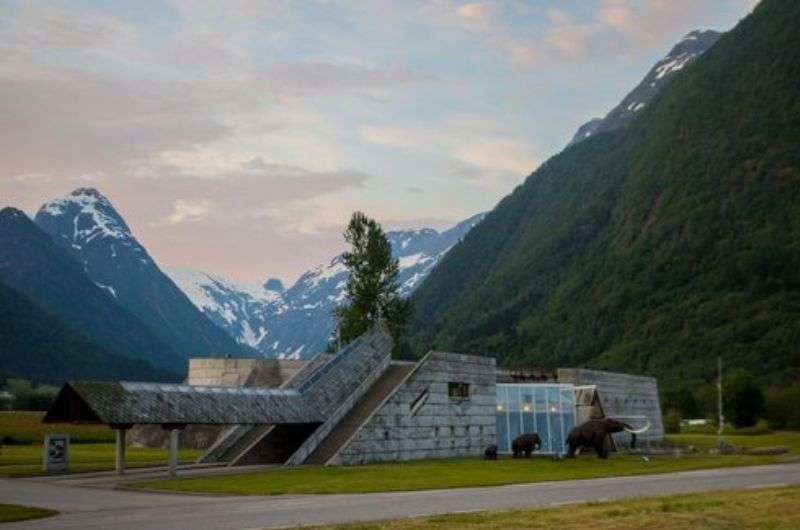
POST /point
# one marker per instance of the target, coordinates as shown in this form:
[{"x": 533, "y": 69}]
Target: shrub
[
  {"x": 759, "y": 428},
  {"x": 672, "y": 422},
  {"x": 743, "y": 399},
  {"x": 782, "y": 408}
]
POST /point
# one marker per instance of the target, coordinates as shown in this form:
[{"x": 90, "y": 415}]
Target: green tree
[
  {"x": 782, "y": 407},
  {"x": 672, "y": 422},
  {"x": 743, "y": 400},
  {"x": 372, "y": 286},
  {"x": 681, "y": 398}
]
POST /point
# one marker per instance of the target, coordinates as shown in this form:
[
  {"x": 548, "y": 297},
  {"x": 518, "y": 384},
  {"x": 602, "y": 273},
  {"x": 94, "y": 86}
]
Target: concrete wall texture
[
  {"x": 421, "y": 420},
  {"x": 623, "y": 396}
]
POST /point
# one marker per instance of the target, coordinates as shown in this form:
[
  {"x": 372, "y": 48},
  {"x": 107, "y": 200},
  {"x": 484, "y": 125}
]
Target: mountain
[
  {"x": 37, "y": 344},
  {"x": 49, "y": 276},
  {"x": 653, "y": 247},
  {"x": 86, "y": 223},
  {"x": 245, "y": 312},
  {"x": 683, "y": 53},
  {"x": 298, "y": 322}
]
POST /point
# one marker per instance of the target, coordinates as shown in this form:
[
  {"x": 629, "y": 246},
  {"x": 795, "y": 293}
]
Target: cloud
[
  {"x": 189, "y": 211},
  {"x": 238, "y": 136},
  {"x": 479, "y": 152},
  {"x": 477, "y": 15},
  {"x": 502, "y": 154}
]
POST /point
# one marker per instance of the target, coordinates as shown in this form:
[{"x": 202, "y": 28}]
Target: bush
[
  {"x": 743, "y": 399},
  {"x": 682, "y": 400},
  {"x": 672, "y": 422},
  {"x": 782, "y": 408},
  {"x": 759, "y": 428}
]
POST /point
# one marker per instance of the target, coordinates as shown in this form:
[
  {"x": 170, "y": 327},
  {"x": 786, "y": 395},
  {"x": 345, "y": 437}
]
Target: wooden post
[
  {"x": 172, "y": 461},
  {"x": 173, "y": 452},
  {"x": 119, "y": 462},
  {"x": 721, "y": 418}
]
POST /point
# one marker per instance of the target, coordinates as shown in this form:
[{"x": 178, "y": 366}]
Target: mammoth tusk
[{"x": 639, "y": 431}]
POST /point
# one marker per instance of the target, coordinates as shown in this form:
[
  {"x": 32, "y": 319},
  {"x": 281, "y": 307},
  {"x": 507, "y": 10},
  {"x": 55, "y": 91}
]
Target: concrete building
[{"x": 360, "y": 406}]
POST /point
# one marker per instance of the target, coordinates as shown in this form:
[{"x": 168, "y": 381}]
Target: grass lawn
[
  {"x": 91, "y": 447},
  {"x": 768, "y": 508},
  {"x": 27, "y": 427},
  {"x": 463, "y": 472},
  {"x": 15, "y": 512},
  {"x": 26, "y": 460}
]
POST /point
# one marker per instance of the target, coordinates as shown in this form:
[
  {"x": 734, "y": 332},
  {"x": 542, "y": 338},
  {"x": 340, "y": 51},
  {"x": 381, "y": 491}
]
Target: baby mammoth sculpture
[
  {"x": 490, "y": 453},
  {"x": 594, "y": 432},
  {"x": 525, "y": 444}
]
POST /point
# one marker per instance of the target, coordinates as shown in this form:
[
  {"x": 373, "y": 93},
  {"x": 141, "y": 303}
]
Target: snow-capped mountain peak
[
  {"x": 87, "y": 224},
  {"x": 298, "y": 321},
  {"x": 92, "y": 216}
]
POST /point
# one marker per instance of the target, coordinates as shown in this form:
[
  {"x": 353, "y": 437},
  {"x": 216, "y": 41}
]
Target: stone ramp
[
  {"x": 393, "y": 377},
  {"x": 233, "y": 444}
]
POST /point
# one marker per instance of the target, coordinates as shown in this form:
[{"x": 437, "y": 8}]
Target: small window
[
  {"x": 418, "y": 402},
  {"x": 458, "y": 390}
]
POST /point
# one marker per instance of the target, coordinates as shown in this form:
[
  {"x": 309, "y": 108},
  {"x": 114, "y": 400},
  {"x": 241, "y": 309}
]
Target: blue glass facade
[{"x": 544, "y": 408}]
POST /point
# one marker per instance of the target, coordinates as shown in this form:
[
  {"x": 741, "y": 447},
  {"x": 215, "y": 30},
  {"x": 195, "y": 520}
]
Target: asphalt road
[{"x": 95, "y": 508}]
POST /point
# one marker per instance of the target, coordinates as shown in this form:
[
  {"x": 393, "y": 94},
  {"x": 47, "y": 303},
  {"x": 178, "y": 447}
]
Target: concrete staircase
[{"x": 391, "y": 378}]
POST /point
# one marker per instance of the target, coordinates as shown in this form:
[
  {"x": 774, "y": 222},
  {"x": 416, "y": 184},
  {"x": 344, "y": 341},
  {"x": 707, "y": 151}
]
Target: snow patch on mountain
[
  {"x": 298, "y": 321},
  {"x": 686, "y": 50},
  {"x": 91, "y": 216}
]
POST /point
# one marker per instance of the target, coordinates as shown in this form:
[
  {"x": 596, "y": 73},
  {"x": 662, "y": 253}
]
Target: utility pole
[{"x": 721, "y": 418}]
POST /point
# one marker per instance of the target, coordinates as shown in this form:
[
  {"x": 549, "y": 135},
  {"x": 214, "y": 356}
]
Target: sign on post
[{"x": 56, "y": 453}]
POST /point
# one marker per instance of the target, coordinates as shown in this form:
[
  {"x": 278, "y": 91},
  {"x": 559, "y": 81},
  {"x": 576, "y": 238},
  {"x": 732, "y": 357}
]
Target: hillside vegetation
[
  {"x": 656, "y": 247},
  {"x": 38, "y": 344}
]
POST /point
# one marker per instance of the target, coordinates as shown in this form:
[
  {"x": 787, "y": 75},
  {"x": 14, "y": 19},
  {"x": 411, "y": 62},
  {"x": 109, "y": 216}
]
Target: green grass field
[
  {"x": 14, "y": 512},
  {"x": 768, "y": 508},
  {"x": 91, "y": 448},
  {"x": 464, "y": 472},
  {"x": 26, "y": 460},
  {"x": 27, "y": 427}
]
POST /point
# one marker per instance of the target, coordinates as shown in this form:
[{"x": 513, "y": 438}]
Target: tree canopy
[{"x": 372, "y": 286}]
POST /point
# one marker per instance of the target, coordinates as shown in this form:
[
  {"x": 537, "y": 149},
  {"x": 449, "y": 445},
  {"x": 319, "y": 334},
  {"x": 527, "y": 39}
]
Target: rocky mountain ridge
[
  {"x": 297, "y": 322},
  {"x": 691, "y": 46}
]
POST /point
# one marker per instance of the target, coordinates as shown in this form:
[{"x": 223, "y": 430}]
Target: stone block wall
[
  {"x": 242, "y": 372},
  {"x": 623, "y": 396},
  {"x": 420, "y": 419}
]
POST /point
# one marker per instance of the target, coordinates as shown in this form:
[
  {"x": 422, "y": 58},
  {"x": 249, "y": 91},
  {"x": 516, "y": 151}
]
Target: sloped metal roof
[
  {"x": 131, "y": 403},
  {"x": 310, "y": 400}
]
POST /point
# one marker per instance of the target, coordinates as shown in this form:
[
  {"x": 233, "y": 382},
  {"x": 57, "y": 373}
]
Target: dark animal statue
[
  {"x": 490, "y": 453},
  {"x": 525, "y": 444},
  {"x": 594, "y": 433}
]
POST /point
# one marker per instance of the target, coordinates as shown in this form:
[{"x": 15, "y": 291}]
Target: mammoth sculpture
[
  {"x": 525, "y": 444},
  {"x": 490, "y": 453},
  {"x": 594, "y": 433}
]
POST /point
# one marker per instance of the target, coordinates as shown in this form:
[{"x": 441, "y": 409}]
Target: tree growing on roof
[{"x": 372, "y": 289}]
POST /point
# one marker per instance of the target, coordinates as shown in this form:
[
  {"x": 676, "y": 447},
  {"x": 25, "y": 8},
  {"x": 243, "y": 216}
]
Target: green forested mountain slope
[
  {"x": 36, "y": 344},
  {"x": 656, "y": 247}
]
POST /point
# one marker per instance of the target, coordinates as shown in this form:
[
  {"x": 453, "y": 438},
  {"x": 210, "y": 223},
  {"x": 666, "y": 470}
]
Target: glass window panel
[
  {"x": 528, "y": 420},
  {"x": 501, "y": 422},
  {"x": 556, "y": 424},
  {"x": 546, "y": 409},
  {"x": 513, "y": 398},
  {"x": 567, "y": 409},
  {"x": 501, "y": 429},
  {"x": 540, "y": 413},
  {"x": 514, "y": 424}
]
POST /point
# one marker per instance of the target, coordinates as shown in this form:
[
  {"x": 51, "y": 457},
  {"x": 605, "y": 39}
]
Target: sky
[{"x": 238, "y": 137}]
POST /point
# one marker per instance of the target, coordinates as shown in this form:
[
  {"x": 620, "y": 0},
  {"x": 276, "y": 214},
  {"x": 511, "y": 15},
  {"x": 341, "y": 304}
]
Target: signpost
[{"x": 56, "y": 453}]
